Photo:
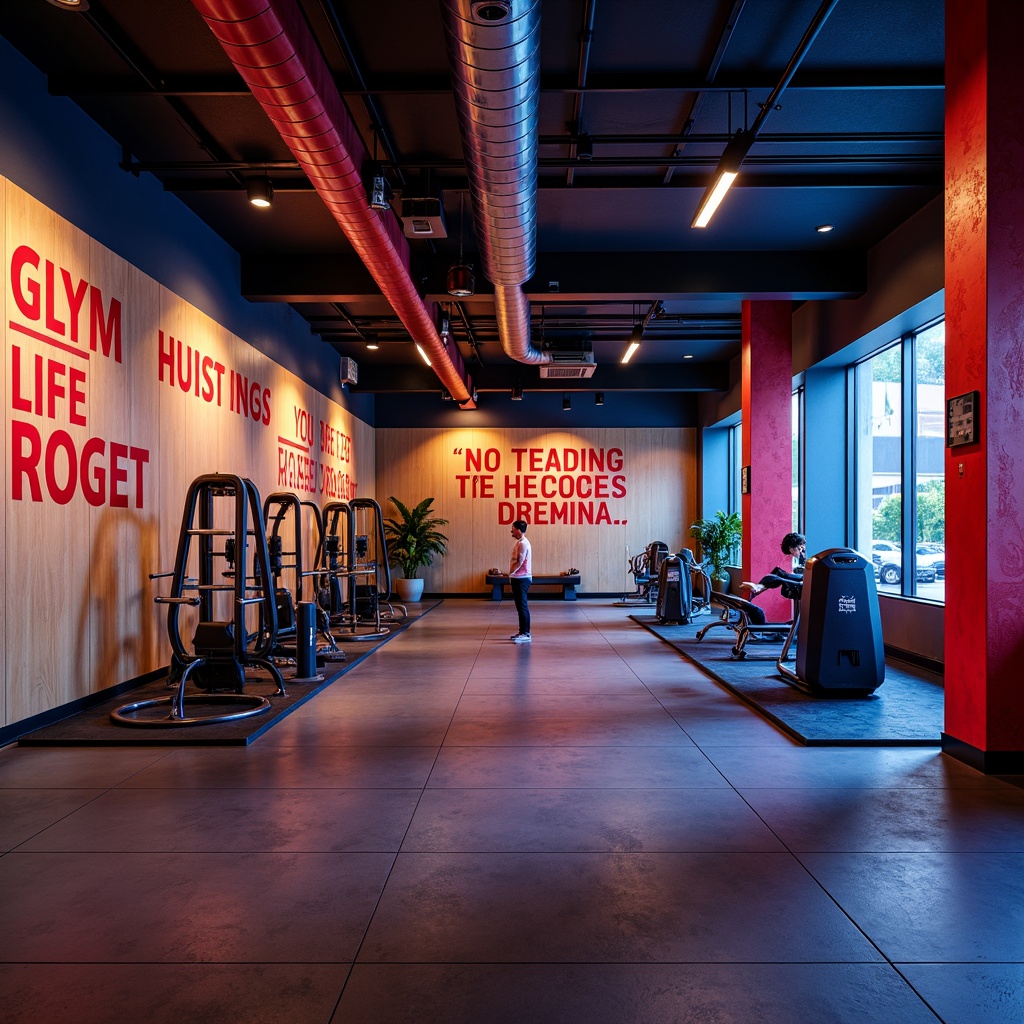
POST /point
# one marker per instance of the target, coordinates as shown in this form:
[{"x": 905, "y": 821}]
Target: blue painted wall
[{"x": 52, "y": 150}]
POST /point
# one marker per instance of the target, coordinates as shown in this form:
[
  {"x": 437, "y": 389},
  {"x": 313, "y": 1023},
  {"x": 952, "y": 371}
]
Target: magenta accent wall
[{"x": 767, "y": 361}]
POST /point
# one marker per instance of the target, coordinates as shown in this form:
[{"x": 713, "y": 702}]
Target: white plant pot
[{"x": 409, "y": 590}]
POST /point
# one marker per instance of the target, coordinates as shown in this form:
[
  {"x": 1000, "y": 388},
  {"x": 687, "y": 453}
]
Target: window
[
  {"x": 899, "y": 464},
  {"x": 798, "y": 476}
]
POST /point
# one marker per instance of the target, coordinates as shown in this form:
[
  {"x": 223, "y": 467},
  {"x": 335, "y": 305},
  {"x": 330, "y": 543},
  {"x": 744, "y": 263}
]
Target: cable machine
[
  {"x": 218, "y": 507},
  {"x": 353, "y": 567}
]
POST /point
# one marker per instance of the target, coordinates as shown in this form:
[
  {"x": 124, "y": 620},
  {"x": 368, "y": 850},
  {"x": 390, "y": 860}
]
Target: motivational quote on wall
[{"x": 546, "y": 485}]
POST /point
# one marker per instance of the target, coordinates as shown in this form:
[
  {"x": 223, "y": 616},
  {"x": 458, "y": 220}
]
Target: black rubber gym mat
[
  {"x": 906, "y": 710},
  {"x": 94, "y": 727}
]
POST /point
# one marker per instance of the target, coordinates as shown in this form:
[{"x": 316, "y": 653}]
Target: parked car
[
  {"x": 929, "y": 553},
  {"x": 888, "y": 560}
]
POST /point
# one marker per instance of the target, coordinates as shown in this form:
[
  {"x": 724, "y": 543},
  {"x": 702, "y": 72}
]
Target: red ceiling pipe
[{"x": 271, "y": 46}]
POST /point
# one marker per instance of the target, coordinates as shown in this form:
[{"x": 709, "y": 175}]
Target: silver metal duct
[{"x": 495, "y": 69}]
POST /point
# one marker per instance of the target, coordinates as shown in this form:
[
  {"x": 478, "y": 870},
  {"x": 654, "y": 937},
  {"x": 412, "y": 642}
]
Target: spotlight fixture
[
  {"x": 260, "y": 192},
  {"x": 381, "y": 192},
  {"x": 371, "y": 342},
  {"x": 599, "y": 398},
  {"x": 461, "y": 282},
  {"x": 585, "y": 147},
  {"x": 517, "y": 392},
  {"x": 725, "y": 174},
  {"x": 634, "y": 343},
  {"x": 566, "y": 403},
  {"x": 824, "y": 229},
  {"x": 71, "y": 5}
]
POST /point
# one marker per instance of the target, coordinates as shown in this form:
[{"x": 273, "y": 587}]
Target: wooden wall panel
[
  {"x": 588, "y": 495},
  {"x": 81, "y": 617},
  {"x": 47, "y": 424},
  {"x": 124, "y": 625}
]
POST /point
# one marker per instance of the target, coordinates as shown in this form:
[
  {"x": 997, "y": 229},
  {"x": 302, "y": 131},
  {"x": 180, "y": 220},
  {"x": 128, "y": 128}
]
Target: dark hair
[
  {"x": 792, "y": 540},
  {"x": 519, "y": 525}
]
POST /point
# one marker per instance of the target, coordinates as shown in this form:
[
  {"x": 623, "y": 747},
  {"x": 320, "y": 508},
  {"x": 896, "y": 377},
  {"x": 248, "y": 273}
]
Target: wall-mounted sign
[
  {"x": 961, "y": 419},
  {"x": 745, "y": 480}
]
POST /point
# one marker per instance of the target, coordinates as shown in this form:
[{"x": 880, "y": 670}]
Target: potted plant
[
  {"x": 413, "y": 540},
  {"x": 717, "y": 537}
]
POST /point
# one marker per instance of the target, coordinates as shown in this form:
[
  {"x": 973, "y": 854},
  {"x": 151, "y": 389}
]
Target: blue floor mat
[{"x": 906, "y": 710}]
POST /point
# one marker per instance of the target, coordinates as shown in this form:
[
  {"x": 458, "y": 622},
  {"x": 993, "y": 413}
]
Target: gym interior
[{"x": 606, "y": 824}]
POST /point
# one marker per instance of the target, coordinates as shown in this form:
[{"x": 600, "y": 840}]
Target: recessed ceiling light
[{"x": 824, "y": 229}]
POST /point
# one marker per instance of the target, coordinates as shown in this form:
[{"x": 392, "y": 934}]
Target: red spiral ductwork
[{"x": 273, "y": 49}]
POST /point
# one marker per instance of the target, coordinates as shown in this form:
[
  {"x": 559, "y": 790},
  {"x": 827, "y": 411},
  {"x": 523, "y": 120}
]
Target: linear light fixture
[
  {"x": 725, "y": 174},
  {"x": 634, "y": 343},
  {"x": 423, "y": 354}
]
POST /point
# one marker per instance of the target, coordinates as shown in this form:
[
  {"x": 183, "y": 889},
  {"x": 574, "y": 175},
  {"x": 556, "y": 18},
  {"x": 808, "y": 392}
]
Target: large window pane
[
  {"x": 878, "y": 464},
  {"x": 929, "y": 463}
]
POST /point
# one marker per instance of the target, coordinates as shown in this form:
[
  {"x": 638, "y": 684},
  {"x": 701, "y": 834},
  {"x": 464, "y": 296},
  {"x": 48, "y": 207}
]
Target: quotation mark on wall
[{"x": 457, "y": 451}]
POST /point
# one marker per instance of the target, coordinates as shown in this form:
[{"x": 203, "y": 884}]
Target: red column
[
  {"x": 767, "y": 443},
  {"x": 984, "y": 628}
]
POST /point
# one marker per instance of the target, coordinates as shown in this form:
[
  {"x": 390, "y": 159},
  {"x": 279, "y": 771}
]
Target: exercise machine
[
  {"x": 838, "y": 629},
  {"x": 299, "y": 618},
  {"x": 675, "y": 591},
  {"x": 215, "y": 580},
  {"x": 352, "y": 561}
]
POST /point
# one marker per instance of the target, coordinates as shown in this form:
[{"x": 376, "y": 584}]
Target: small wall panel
[
  {"x": 588, "y": 494},
  {"x": 124, "y": 394}
]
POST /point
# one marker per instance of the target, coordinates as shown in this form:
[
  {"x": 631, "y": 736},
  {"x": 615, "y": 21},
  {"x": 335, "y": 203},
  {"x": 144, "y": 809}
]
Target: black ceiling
[{"x": 659, "y": 85}]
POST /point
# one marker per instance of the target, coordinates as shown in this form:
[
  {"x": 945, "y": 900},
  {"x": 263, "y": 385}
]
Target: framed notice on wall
[
  {"x": 961, "y": 419},
  {"x": 745, "y": 480}
]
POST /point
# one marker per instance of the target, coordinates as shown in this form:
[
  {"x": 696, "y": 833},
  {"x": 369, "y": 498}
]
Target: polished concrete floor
[{"x": 463, "y": 829}]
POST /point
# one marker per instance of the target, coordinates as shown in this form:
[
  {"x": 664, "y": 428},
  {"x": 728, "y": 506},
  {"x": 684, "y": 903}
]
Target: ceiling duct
[
  {"x": 493, "y": 51},
  {"x": 274, "y": 51}
]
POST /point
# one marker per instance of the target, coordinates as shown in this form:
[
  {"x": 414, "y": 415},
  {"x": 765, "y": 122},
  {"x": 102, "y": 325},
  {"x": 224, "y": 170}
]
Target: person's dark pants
[{"x": 520, "y": 588}]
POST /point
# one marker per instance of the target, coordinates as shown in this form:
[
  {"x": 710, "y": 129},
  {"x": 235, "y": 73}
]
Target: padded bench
[{"x": 567, "y": 583}]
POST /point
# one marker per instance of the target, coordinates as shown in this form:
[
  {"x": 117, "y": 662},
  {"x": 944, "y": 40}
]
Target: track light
[
  {"x": 566, "y": 403},
  {"x": 260, "y": 192},
  {"x": 585, "y": 148},
  {"x": 371, "y": 342},
  {"x": 599, "y": 398},
  {"x": 381, "y": 192},
  {"x": 517, "y": 392},
  {"x": 634, "y": 343},
  {"x": 725, "y": 174}
]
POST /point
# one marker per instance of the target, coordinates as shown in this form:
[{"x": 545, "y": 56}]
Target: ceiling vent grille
[{"x": 569, "y": 366}]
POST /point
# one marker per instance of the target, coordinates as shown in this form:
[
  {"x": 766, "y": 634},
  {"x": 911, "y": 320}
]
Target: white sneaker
[{"x": 521, "y": 638}]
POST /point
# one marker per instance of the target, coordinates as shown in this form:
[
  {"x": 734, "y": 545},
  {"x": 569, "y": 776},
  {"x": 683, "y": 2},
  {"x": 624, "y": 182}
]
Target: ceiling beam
[
  {"x": 580, "y": 276},
  {"x": 377, "y": 379},
  {"x": 646, "y": 80}
]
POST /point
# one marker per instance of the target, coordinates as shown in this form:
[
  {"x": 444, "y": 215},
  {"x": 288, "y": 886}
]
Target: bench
[{"x": 568, "y": 584}]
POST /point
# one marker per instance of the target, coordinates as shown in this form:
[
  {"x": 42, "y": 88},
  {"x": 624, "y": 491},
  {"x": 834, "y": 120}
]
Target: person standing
[{"x": 520, "y": 576}]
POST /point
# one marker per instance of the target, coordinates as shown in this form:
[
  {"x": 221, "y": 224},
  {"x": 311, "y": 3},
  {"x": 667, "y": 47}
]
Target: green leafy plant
[
  {"x": 414, "y": 539},
  {"x": 717, "y": 537}
]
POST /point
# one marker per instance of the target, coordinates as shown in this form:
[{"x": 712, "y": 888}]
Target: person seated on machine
[{"x": 791, "y": 582}]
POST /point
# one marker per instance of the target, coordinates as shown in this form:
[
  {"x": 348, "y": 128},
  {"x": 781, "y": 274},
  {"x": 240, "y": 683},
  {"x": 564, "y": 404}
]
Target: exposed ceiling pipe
[
  {"x": 493, "y": 50},
  {"x": 270, "y": 44}
]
